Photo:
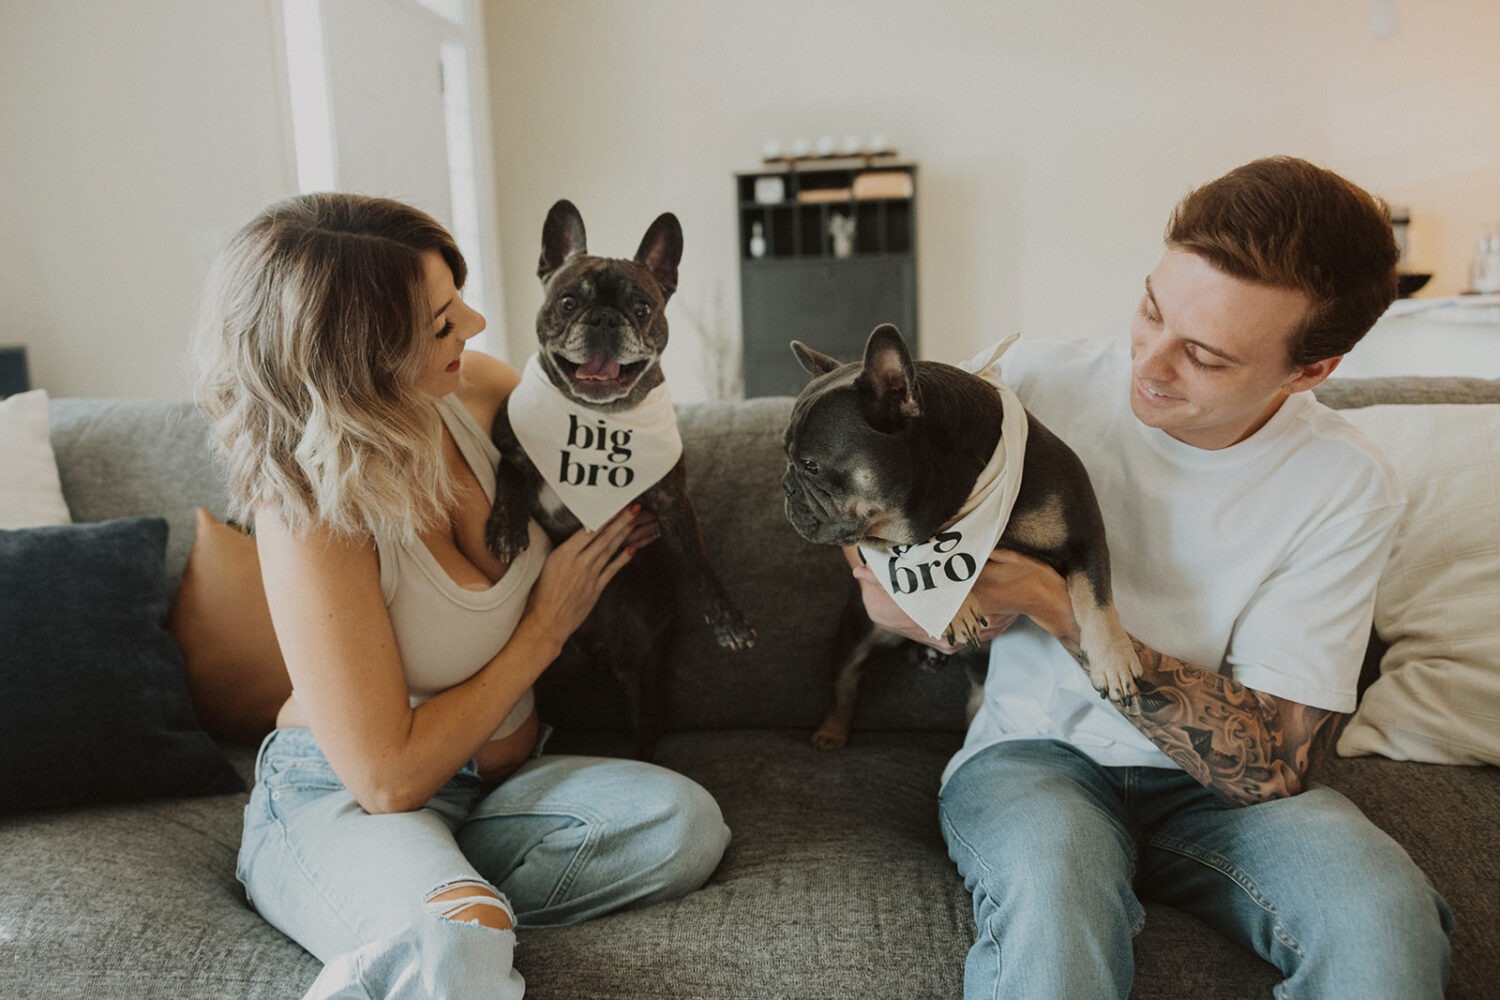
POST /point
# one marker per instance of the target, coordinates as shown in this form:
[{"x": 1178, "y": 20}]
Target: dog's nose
[
  {"x": 600, "y": 317},
  {"x": 786, "y": 486}
]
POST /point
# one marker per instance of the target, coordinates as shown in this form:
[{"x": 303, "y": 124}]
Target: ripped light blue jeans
[
  {"x": 1058, "y": 850},
  {"x": 562, "y": 840}
]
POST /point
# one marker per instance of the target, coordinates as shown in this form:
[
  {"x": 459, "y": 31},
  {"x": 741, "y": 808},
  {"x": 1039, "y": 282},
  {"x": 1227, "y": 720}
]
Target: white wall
[
  {"x": 1053, "y": 136},
  {"x": 135, "y": 138}
]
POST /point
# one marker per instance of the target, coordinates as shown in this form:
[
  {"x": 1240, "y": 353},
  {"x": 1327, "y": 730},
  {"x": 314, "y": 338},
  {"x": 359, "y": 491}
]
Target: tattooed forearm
[{"x": 1246, "y": 745}]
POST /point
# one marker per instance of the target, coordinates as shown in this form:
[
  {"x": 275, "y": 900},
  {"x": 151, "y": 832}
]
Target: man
[{"x": 1248, "y": 525}]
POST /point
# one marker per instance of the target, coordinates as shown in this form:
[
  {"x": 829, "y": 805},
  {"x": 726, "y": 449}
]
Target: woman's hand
[
  {"x": 578, "y": 570},
  {"x": 647, "y": 530}
]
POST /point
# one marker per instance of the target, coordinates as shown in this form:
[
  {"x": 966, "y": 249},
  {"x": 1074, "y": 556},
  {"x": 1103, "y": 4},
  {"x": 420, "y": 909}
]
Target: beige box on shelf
[
  {"x": 818, "y": 196},
  {"x": 883, "y": 184}
]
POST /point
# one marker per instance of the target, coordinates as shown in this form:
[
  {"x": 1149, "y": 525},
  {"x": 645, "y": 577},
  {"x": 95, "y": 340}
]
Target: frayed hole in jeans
[{"x": 471, "y": 902}]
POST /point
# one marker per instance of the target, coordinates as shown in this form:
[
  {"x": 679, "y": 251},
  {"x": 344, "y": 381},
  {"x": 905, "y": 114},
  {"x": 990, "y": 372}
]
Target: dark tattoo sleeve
[{"x": 1246, "y": 745}]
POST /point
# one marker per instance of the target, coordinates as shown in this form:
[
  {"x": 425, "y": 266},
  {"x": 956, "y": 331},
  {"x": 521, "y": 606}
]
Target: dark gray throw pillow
[{"x": 93, "y": 693}]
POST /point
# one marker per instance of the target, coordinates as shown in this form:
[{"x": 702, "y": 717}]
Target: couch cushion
[
  {"x": 30, "y": 494},
  {"x": 1438, "y": 695},
  {"x": 138, "y": 900},
  {"x": 138, "y": 458},
  {"x": 1445, "y": 818},
  {"x": 96, "y": 706},
  {"x": 836, "y": 883},
  {"x": 1348, "y": 393}
]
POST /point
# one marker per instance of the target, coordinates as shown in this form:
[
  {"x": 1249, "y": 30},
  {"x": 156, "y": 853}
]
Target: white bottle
[
  {"x": 757, "y": 241},
  {"x": 1485, "y": 274}
]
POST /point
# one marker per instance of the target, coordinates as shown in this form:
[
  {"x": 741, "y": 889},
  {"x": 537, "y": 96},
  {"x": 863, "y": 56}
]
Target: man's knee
[{"x": 472, "y": 903}]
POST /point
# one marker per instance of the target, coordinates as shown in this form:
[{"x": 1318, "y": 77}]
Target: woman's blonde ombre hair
[{"x": 314, "y": 332}]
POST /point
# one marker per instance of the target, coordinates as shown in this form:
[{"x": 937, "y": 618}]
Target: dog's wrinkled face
[
  {"x": 849, "y": 467},
  {"x": 602, "y": 326}
]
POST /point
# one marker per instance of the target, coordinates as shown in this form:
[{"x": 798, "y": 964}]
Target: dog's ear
[
  {"x": 562, "y": 238},
  {"x": 889, "y": 377},
  {"x": 660, "y": 251},
  {"x": 815, "y": 362}
]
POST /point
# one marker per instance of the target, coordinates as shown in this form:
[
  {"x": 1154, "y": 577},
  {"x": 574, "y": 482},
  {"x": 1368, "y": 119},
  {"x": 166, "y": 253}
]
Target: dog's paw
[
  {"x": 731, "y": 630},
  {"x": 1113, "y": 674},
  {"x": 831, "y": 736},
  {"x": 967, "y": 625},
  {"x": 927, "y": 659},
  {"x": 505, "y": 537}
]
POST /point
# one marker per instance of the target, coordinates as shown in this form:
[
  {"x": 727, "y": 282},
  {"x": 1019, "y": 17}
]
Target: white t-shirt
[{"x": 1259, "y": 560}]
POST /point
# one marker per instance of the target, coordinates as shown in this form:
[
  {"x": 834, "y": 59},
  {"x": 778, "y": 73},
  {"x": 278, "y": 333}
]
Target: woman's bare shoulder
[
  {"x": 310, "y": 545},
  {"x": 485, "y": 384}
]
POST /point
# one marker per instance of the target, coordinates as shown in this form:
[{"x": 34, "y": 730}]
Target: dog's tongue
[{"x": 600, "y": 367}]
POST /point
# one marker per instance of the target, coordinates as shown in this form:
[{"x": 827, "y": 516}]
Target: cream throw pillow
[
  {"x": 30, "y": 493},
  {"x": 1438, "y": 605}
]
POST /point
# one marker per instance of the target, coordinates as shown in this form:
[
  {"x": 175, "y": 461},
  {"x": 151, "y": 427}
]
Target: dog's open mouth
[{"x": 600, "y": 375}]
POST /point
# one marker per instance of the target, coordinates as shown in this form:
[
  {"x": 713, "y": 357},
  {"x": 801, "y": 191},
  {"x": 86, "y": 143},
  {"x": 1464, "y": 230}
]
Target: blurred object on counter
[
  {"x": 1408, "y": 283},
  {"x": 1484, "y": 274},
  {"x": 1400, "y": 223}
]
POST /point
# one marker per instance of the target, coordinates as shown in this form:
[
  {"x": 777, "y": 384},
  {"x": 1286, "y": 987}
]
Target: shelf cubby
[{"x": 803, "y": 285}]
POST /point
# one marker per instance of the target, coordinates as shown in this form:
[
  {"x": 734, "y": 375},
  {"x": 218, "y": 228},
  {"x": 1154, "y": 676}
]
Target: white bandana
[
  {"x": 929, "y": 581},
  {"x": 596, "y": 462}
]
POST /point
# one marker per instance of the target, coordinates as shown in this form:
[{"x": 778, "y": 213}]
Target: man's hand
[
  {"x": 886, "y": 613},
  {"x": 1010, "y": 585}
]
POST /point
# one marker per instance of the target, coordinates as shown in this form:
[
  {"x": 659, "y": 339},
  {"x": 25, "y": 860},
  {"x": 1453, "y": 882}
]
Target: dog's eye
[
  {"x": 567, "y": 303},
  {"x": 641, "y": 310},
  {"x": 810, "y": 467}
]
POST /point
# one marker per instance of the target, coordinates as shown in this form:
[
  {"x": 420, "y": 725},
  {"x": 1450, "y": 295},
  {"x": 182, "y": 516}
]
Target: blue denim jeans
[
  {"x": 562, "y": 840},
  {"x": 1058, "y": 851}
]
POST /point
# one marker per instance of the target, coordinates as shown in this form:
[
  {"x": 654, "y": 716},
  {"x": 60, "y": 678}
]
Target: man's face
[{"x": 1209, "y": 352}]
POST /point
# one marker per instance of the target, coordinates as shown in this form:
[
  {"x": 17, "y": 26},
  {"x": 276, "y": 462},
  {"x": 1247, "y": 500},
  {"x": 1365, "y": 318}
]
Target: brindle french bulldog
[
  {"x": 886, "y": 451},
  {"x": 601, "y": 331}
]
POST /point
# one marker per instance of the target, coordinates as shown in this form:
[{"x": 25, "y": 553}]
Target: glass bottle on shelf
[
  {"x": 757, "y": 240},
  {"x": 1484, "y": 274}
]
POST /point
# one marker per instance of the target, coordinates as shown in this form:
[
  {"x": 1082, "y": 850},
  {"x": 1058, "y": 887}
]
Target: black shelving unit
[{"x": 804, "y": 285}]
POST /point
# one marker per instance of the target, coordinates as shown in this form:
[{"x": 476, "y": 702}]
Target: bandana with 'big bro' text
[
  {"x": 930, "y": 580},
  {"x": 596, "y": 462}
]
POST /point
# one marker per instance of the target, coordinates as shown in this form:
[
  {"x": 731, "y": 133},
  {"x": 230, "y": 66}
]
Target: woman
[{"x": 403, "y": 821}]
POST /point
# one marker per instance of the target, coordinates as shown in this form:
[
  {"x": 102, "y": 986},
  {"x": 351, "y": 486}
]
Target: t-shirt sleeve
[
  {"x": 1035, "y": 368},
  {"x": 1303, "y": 634}
]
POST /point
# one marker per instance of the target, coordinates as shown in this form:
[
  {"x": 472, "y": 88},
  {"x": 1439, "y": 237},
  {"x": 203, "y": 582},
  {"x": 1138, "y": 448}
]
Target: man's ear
[
  {"x": 1305, "y": 377},
  {"x": 562, "y": 238},
  {"x": 889, "y": 375},
  {"x": 815, "y": 363}
]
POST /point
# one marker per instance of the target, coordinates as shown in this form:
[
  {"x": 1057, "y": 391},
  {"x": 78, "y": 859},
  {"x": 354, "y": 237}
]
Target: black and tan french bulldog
[
  {"x": 601, "y": 331},
  {"x": 886, "y": 451}
]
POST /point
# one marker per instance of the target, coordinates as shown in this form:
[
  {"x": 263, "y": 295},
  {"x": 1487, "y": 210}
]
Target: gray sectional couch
[{"x": 836, "y": 883}]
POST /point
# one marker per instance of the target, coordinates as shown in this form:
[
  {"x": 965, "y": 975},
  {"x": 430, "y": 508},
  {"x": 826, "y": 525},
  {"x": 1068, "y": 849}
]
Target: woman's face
[{"x": 452, "y": 322}]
